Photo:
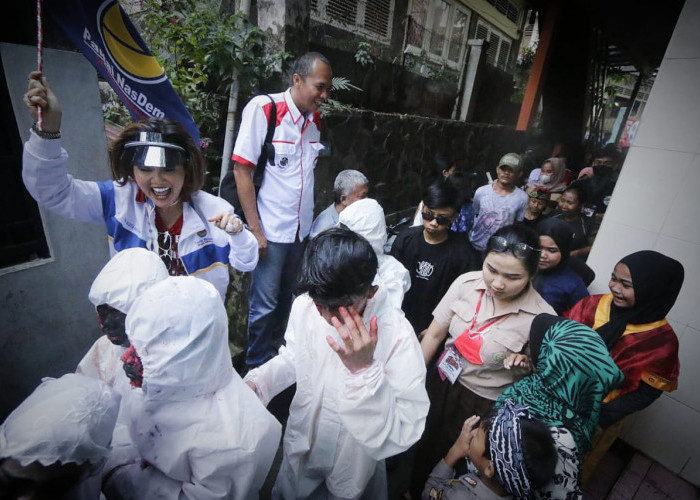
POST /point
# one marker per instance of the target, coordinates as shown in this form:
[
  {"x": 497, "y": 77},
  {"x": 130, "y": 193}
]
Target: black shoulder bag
[{"x": 228, "y": 190}]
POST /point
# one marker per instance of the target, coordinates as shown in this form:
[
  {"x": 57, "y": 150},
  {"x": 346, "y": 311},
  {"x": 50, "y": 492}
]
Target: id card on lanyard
[{"x": 468, "y": 344}]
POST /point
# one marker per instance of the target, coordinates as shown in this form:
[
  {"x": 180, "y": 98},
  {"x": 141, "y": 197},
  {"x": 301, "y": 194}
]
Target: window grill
[{"x": 369, "y": 17}]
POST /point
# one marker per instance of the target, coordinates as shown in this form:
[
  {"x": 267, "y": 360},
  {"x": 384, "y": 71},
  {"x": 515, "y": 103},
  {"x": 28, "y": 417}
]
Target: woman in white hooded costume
[
  {"x": 366, "y": 218},
  {"x": 360, "y": 393},
  {"x": 196, "y": 430},
  {"x": 54, "y": 444},
  {"x": 126, "y": 276}
]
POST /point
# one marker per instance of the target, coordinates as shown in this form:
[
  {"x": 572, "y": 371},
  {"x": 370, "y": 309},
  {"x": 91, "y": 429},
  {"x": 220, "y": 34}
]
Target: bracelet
[{"x": 44, "y": 134}]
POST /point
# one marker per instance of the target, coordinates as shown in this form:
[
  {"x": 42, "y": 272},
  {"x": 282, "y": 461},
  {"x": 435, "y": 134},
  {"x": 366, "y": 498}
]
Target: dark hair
[
  {"x": 305, "y": 64},
  {"x": 442, "y": 163},
  {"x": 580, "y": 194},
  {"x": 610, "y": 151},
  {"x": 462, "y": 182},
  {"x": 338, "y": 267},
  {"x": 441, "y": 194},
  {"x": 539, "y": 452},
  {"x": 194, "y": 166},
  {"x": 560, "y": 232},
  {"x": 517, "y": 233}
]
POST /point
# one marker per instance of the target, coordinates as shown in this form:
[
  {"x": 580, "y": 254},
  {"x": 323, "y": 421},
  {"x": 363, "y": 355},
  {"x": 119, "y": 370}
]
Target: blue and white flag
[{"x": 102, "y": 31}]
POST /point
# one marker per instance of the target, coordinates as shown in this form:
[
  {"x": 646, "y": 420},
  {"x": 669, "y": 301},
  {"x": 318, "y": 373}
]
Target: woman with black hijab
[
  {"x": 556, "y": 281},
  {"x": 632, "y": 322}
]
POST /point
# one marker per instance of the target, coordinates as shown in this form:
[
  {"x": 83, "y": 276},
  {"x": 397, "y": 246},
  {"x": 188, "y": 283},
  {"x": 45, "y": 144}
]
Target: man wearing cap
[
  {"x": 499, "y": 204},
  {"x": 281, "y": 213}
]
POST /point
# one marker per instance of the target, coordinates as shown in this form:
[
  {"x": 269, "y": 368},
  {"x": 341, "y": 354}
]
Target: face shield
[{"x": 148, "y": 150}]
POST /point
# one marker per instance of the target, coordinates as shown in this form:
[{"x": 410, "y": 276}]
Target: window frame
[{"x": 424, "y": 49}]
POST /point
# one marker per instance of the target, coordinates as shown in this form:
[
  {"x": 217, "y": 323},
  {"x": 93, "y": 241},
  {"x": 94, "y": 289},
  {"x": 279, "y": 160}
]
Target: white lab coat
[
  {"x": 366, "y": 218},
  {"x": 196, "y": 430},
  {"x": 342, "y": 424},
  {"x": 126, "y": 276},
  {"x": 66, "y": 420}
]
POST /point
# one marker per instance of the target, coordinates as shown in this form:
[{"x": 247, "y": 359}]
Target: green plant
[
  {"x": 521, "y": 74},
  {"x": 339, "y": 83},
  {"x": 200, "y": 48},
  {"x": 363, "y": 55}
]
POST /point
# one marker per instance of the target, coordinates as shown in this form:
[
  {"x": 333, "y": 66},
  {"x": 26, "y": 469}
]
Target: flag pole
[{"x": 39, "y": 57}]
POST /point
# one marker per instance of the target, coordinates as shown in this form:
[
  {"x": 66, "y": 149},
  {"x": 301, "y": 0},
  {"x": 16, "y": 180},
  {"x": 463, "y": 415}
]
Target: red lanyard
[
  {"x": 476, "y": 313},
  {"x": 469, "y": 343}
]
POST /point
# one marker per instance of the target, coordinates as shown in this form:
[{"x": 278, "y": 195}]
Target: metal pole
[{"x": 244, "y": 7}]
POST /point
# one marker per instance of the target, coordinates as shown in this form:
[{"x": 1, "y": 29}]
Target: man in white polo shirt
[{"x": 281, "y": 216}]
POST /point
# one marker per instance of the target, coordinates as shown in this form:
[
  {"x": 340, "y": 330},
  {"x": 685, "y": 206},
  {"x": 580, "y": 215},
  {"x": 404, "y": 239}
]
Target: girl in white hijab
[
  {"x": 366, "y": 218},
  {"x": 195, "y": 429},
  {"x": 54, "y": 444}
]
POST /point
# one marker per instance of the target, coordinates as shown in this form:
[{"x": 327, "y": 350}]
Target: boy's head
[
  {"x": 514, "y": 449},
  {"x": 338, "y": 269},
  {"x": 440, "y": 207}
]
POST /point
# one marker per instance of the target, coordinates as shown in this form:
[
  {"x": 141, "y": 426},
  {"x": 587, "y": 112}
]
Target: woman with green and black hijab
[{"x": 572, "y": 374}]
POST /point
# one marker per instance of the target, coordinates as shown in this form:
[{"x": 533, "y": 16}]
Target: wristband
[{"x": 44, "y": 134}]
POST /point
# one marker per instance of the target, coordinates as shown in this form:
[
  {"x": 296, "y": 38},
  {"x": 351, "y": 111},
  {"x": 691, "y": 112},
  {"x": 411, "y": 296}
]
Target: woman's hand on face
[
  {"x": 228, "y": 222},
  {"x": 358, "y": 351},
  {"x": 39, "y": 94},
  {"x": 518, "y": 361}
]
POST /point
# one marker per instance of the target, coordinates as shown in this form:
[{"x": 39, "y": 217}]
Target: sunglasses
[
  {"x": 442, "y": 220},
  {"x": 520, "y": 250}
]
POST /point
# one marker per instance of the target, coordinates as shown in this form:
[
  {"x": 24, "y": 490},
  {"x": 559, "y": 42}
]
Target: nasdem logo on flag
[{"x": 104, "y": 34}]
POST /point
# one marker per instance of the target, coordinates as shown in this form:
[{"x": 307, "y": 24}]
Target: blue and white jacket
[{"x": 205, "y": 250}]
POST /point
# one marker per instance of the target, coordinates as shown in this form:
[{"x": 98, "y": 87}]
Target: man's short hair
[
  {"x": 304, "y": 65},
  {"x": 441, "y": 194},
  {"x": 338, "y": 267},
  {"x": 346, "y": 181}
]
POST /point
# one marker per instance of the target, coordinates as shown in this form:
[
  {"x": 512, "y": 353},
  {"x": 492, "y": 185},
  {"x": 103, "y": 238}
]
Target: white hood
[
  {"x": 202, "y": 431},
  {"x": 67, "y": 420},
  {"x": 366, "y": 218},
  {"x": 126, "y": 276},
  {"x": 181, "y": 335}
]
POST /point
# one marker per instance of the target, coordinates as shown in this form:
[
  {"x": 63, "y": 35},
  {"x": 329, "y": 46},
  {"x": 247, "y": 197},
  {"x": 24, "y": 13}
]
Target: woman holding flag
[{"x": 154, "y": 201}]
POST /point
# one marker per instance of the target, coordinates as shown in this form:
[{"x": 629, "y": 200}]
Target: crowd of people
[{"x": 468, "y": 362}]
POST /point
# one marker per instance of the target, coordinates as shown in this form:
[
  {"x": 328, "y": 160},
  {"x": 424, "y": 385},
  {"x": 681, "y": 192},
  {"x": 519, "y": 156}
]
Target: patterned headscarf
[
  {"x": 506, "y": 449},
  {"x": 574, "y": 373}
]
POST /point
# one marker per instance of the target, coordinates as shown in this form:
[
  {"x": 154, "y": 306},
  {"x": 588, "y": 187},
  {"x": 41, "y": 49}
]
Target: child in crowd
[
  {"x": 54, "y": 444},
  {"x": 512, "y": 452},
  {"x": 189, "y": 427},
  {"x": 433, "y": 254},
  {"x": 569, "y": 210},
  {"x": 126, "y": 276},
  {"x": 555, "y": 280},
  {"x": 366, "y": 218},
  {"x": 499, "y": 204},
  {"x": 360, "y": 376}
]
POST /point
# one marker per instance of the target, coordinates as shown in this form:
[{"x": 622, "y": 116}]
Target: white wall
[
  {"x": 47, "y": 321},
  {"x": 656, "y": 205}
]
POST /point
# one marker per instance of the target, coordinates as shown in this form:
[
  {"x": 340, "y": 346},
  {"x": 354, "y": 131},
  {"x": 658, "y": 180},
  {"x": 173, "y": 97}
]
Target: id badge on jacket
[{"x": 450, "y": 365}]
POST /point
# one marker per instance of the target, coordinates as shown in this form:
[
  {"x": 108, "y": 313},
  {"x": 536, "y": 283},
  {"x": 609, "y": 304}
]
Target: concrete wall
[
  {"x": 656, "y": 206},
  {"x": 47, "y": 321}
]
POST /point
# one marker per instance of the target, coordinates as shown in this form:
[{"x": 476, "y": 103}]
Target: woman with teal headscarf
[{"x": 573, "y": 372}]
